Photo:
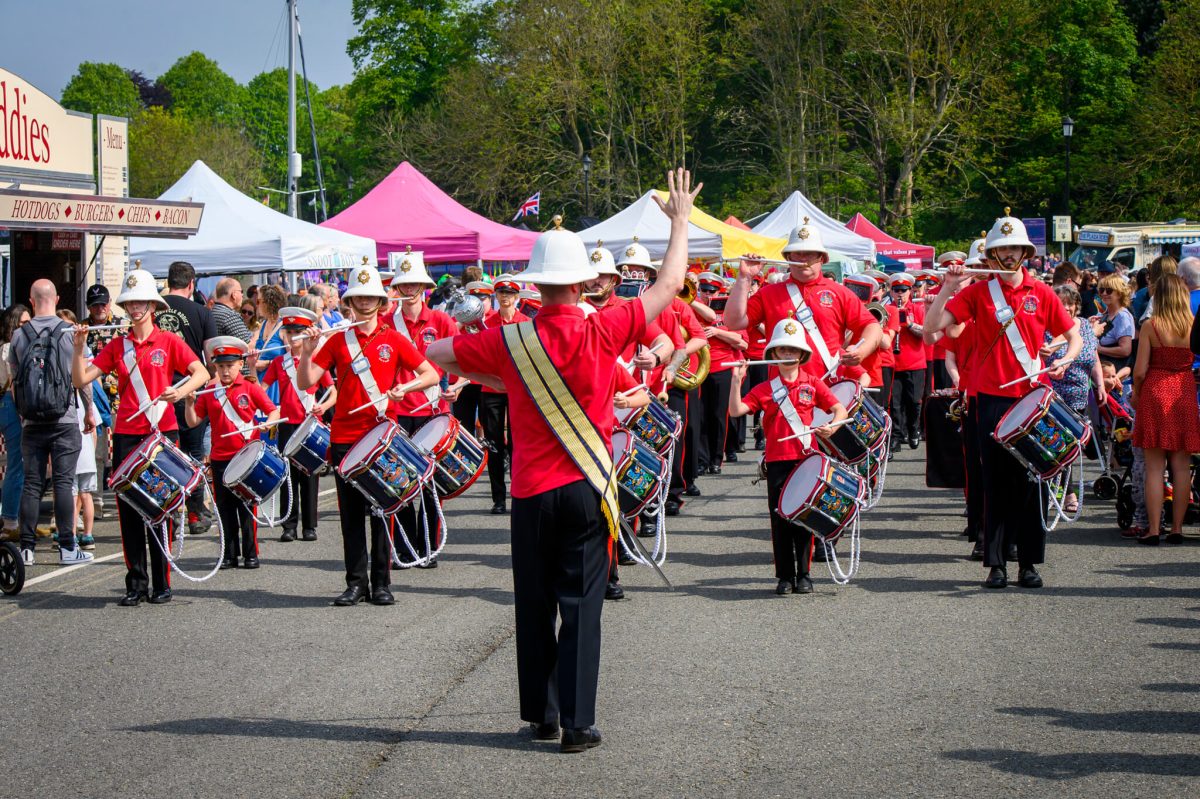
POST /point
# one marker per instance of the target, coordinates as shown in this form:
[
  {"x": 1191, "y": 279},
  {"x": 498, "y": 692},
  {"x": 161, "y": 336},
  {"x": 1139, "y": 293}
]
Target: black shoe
[
  {"x": 741, "y": 447},
  {"x": 1011, "y": 553},
  {"x": 692, "y": 490},
  {"x": 977, "y": 551},
  {"x": 912, "y": 442},
  {"x": 891, "y": 454},
  {"x": 547, "y": 731},
  {"x": 714, "y": 469},
  {"x": 382, "y": 596},
  {"x": 673, "y": 507},
  {"x": 648, "y": 528},
  {"x": 288, "y": 535},
  {"x": 731, "y": 457},
  {"x": 803, "y": 585},
  {"x": 997, "y": 578},
  {"x": 819, "y": 555},
  {"x": 614, "y": 591},
  {"x": 228, "y": 562},
  {"x": 351, "y": 596},
  {"x": 132, "y": 599},
  {"x": 429, "y": 564},
  {"x": 625, "y": 560},
  {"x": 310, "y": 535},
  {"x": 251, "y": 562},
  {"x": 578, "y": 740},
  {"x": 1173, "y": 538},
  {"x": 784, "y": 587},
  {"x": 498, "y": 509},
  {"x": 160, "y": 597},
  {"x": 1029, "y": 578}
]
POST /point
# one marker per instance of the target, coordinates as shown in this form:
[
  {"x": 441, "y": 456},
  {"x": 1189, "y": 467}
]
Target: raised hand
[{"x": 680, "y": 195}]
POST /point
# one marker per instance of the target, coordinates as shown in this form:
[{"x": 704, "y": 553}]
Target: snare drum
[
  {"x": 656, "y": 424},
  {"x": 387, "y": 467},
  {"x": 256, "y": 472},
  {"x": 156, "y": 478},
  {"x": 641, "y": 472},
  {"x": 1042, "y": 432},
  {"x": 865, "y": 433},
  {"x": 458, "y": 456},
  {"x": 308, "y": 446},
  {"x": 823, "y": 496}
]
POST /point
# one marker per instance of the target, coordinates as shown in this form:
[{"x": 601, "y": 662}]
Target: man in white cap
[
  {"x": 827, "y": 310},
  {"x": 559, "y": 371},
  {"x": 1011, "y": 313}
]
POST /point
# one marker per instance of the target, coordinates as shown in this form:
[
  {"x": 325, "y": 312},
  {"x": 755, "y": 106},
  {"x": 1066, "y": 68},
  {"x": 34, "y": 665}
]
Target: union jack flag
[{"x": 532, "y": 206}]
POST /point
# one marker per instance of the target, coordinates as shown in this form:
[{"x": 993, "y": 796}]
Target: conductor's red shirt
[
  {"x": 806, "y": 393},
  {"x": 493, "y": 319},
  {"x": 243, "y": 398}
]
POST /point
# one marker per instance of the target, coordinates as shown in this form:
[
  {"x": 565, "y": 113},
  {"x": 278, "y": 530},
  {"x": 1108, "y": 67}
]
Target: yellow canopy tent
[{"x": 735, "y": 241}]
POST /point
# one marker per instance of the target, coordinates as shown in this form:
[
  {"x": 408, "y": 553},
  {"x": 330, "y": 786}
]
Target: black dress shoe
[
  {"x": 997, "y": 578},
  {"x": 310, "y": 535},
  {"x": 673, "y": 507},
  {"x": 132, "y": 599},
  {"x": 731, "y": 457},
  {"x": 912, "y": 442},
  {"x": 648, "y": 528},
  {"x": 714, "y": 469},
  {"x": 614, "y": 591},
  {"x": 546, "y": 731},
  {"x": 819, "y": 555},
  {"x": 1029, "y": 578},
  {"x": 803, "y": 585},
  {"x": 382, "y": 596},
  {"x": 351, "y": 596},
  {"x": 977, "y": 551},
  {"x": 783, "y": 587},
  {"x": 228, "y": 562},
  {"x": 429, "y": 564},
  {"x": 498, "y": 509},
  {"x": 251, "y": 562},
  {"x": 625, "y": 560},
  {"x": 692, "y": 491},
  {"x": 578, "y": 740},
  {"x": 160, "y": 597},
  {"x": 288, "y": 535}
]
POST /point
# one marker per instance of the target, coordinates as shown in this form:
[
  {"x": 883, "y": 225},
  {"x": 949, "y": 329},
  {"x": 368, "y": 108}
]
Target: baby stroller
[
  {"x": 1115, "y": 452},
  {"x": 12, "y": 569}
]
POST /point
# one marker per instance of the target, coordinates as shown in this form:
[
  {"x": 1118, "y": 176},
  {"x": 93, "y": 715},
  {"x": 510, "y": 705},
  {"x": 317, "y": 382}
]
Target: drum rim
[
  {"x": 372, "y": 451},
  {"x": 445, "y": 440},
  {"x": 1041, "y": 404},
  {"x": 244, "y": 454}
]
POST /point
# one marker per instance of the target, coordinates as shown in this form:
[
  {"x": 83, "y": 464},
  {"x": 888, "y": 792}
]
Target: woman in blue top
[
  {"x": 1114, "y": 327},
  {"x": 269, "y": 341}
]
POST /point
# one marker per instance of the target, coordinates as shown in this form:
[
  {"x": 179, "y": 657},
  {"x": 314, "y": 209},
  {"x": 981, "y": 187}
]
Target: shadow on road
[
  {"x": 1162, "y": 722},
  {"x": 1073, "y": 765},
  {"x": 1173, "y": 687}
]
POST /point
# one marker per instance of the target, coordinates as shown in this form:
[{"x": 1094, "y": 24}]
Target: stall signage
[
  {"x": 37, "y": 135},
  {"x": 66, "y": 240},
  {"x": 1092, "y": 237},
  {"x": 37, "y": 210}
]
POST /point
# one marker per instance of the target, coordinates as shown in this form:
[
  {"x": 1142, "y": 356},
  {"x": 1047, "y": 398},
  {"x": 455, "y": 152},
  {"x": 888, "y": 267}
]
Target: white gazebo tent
[
  {"x": 239, "y": 235},
  {"x": 791, "y": 214},
  {"x": 652, "y": 228}
]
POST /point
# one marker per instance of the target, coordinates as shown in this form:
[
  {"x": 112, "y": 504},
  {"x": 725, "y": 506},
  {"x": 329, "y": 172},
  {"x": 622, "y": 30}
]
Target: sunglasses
[
  {"x": 708, "y": 289},
  {"x": 901, "y": 289},
  {"x": 1105, "y": 291},
  {"x": 247, "y": 313}
]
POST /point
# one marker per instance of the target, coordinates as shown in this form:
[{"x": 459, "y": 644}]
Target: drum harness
[{"x": 238, "y": 423}]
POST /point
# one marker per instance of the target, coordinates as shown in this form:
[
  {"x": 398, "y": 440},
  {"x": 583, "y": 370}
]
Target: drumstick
[
  {"x": 325, "y": 396},
  {"x": 435, "y": 399},
  {"x": 761, "y": 363},
  {"x": 152, "y": 402},
  {"x": 809, "y": 430},
  {"x": 202, "y": 392},
  {"x": 1032, "y": 375},
  {"x": 634, "y": 390},
  {"x": 629, "y": 366},
  {"x": 250, "y": 429},
  {"x": 90, "y": 328},
  {"x": 327, "y": 331},
  {"x": 407, "y": 387}
]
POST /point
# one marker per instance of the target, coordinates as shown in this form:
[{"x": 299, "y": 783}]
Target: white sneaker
[
  {"x": 69, "y": 557},
  {"x": 27, "y": 556}
]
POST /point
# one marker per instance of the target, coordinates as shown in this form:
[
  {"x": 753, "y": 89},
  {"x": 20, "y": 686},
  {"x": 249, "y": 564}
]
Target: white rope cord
[
  {"x": 392, "y": 522},
  {"x": 831, "y": 559},
  {"x": 1062, "y": 481},
  {"x": 165, "y": 546},
  {"x": 656, "y": 509},
  {"x": 874, "y": 494},
  {"x": 267, "y": 520}
]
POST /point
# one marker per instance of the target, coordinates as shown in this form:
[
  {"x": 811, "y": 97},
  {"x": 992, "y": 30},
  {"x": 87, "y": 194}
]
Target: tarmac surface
[{"x": 912, "y": 681}]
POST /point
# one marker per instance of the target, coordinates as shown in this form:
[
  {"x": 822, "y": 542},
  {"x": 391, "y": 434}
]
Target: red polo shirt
[
  {"x": 1036, "y": 310},
  {"x": 290, "y": 409},
  {"x": 719, "y": 351},
  {"x": 244, "y": 398},
  {"x": 835, "y": 309},
  {"x": 390, "y": 356},
  {"x": 585, "y": 352},
  {"x": 493, "y": 319},
  {"x": 646, "y": 340},
  {"x": 159, "y": 357},
  {"x": 806, "y": 393},
  {"x": 912, "y": 345},
  {"x": 428, "y": 327},
  {"x": 965, "y": 353}
]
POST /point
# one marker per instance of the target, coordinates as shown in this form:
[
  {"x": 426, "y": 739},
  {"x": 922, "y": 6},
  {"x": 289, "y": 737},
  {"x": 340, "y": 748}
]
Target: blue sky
[{"x": 45, "y": 40}]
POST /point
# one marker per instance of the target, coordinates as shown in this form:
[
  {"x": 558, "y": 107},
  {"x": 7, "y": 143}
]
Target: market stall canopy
[
  {"x": 791, "y": 214},
  {"x": 914, "y": 256},
  {"x": 735, "y": 241},
  {"x": 735, "y": 222},
  {"x": 407, "y": 209},
  {"x": 239, "y": 235},
  {"x": 645, "y": 220}
]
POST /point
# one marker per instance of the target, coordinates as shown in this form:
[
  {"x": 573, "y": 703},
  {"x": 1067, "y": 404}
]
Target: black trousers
[
  {"x": 135, "y": 534},
  {"x": 885, "y": 394},
  {"x": 493, "y": 410},
  {"x": 191, "y": 441},
  {"x": 684, "y": 465},
  {"x": 907, "y": 390},
  {"x": 467, "y": 406},
  {"x": 560, "y": 556},
  {"x": 57, "y": 446},
  {"x": 714, "y": 418},
  {"x": 974, "y": 489},
  {"x": 791, "y": 543},
  {"x": 304, "y": 488},
  {"x": 1010, "y": 498},
  {"x": 754, "y": 375},
  {"x": 413, "y": 518},
  {"x": 941, "y": 375},
  {"x": 353, "y": 510},
  {"x": 241, "y": 531}
]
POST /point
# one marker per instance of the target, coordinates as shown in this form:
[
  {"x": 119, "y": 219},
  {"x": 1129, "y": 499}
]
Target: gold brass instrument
[
  {"x": 879, "y": 311},
  {"x": 691, "y": 287},
  {"x": 687, "y": 377}
]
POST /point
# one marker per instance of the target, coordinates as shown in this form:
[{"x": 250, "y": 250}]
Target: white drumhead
[
  {"x": 620, "y": 444},
  {"x": 1020, "y": 412},
  {"x": 430, "y": 433},
  {"x": 365, "y": 444},
  {"x": 845, "y": 391},
  {"x": 241, "y": 463},
  {"x": 800, "y": 484},
  {"x": 623, "y": 414},
  {"x": 299, "y": 435}
]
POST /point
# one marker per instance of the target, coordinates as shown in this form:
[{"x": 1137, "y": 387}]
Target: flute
[
  {"x": 1032, "y": 375},
  {"x": 327, "y": 331},
  {"x": 768, "y": 362},
  {"x": 154, "y": 402},
  {"x": 90, "y": 328},
  {"x": 809, "y": 430},
  {"x": 973, "y": 271},
  {"x": 251, "y": 429},
  {"x": 385, "y": 398}
]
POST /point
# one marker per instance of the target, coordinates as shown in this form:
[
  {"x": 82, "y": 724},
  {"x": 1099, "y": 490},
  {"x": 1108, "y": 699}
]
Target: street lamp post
[
  {"x": 587, "y": 192},
  {"x": 1068, "y": 130}
]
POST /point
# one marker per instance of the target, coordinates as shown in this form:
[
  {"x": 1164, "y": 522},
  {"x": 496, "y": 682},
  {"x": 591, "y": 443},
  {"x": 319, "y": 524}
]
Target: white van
[{"x": 1131, "y": 244}]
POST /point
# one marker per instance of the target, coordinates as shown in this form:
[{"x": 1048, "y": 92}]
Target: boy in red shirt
[
  {"x": 230, "y": 409},
  {"x": 792, "y": 543}
]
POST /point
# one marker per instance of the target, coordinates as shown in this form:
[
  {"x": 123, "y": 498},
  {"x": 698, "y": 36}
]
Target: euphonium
[
  {"x": 879, "y": 311},
  {"x": 686, "y": 378}
]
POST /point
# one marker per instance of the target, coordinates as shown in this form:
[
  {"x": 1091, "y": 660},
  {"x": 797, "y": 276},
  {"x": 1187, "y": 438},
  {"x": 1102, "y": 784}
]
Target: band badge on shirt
[
  {"x": 158, "y": 357},
  {"x": 1031, "y": 305},
  {"x": 385, "y": 352},
  {"x": 428, "y": 336},
  {"x": 825, "y": 298},
  {"x": 243, "y": 401},
  {"x": 804, "y": 395}
]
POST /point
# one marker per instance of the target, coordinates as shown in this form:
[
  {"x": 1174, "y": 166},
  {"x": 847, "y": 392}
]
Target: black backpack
[{"x": 42, "y": 388}]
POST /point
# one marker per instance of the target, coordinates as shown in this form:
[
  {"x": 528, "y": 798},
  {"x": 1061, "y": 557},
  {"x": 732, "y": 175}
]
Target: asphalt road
[{"x": 912, "y": 681}]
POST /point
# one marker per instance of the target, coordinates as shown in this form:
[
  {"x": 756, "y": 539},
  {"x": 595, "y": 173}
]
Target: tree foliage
[
  {"x": 101, "y": 89},
  {"x": 201, "y": 90},
  {"x": 163, "y": 145}
]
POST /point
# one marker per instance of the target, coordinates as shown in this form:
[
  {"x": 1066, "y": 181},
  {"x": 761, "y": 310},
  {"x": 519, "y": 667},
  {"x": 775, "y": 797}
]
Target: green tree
[
  {"x": 101, "y": 89},
  {"x": 164, "y": 144},
  {"x": 200, "y": 90}
]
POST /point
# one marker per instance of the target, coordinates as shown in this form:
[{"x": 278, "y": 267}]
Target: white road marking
[{"x": 70, "y": 569}]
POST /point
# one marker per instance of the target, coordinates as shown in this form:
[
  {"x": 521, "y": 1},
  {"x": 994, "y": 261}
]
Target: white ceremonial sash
[
  {"x": 362, "y": 367},
  {"x": 804, "y": 315},
  {"x": 779, "y": 393},
  {"x": 1008, "y": 322},
  {"x": 154, "y": 414},
  {"x": 238, "y": 422},
  {"x": 433, "y": 392},
  {"x": 306, "y": 400}
]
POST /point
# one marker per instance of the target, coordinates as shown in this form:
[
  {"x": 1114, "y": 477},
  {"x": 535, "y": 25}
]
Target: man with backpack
[{"x": 40, "y": 360}]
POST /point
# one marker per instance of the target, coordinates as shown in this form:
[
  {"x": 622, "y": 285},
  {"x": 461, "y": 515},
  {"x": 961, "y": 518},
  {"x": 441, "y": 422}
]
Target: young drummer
[
  {"x": 143, "y": 360},
  {"x": 794, "y": 386},
  {"x": 295, "y": 405},
  {"x": 230, "y": 411},
  {"x": 370, "y": 362}
]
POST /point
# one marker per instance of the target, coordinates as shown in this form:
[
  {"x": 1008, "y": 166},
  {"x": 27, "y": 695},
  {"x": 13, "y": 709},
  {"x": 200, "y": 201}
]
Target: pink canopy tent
[
  {"x": 914, "y": 256},
  {"x": 407, "y": 209}
]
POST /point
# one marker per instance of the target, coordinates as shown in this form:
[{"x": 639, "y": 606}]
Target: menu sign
[{"x": 112, "y": 161}]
